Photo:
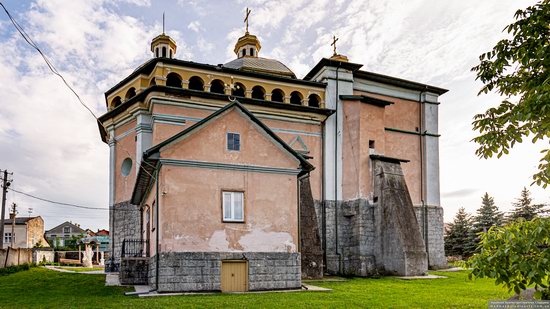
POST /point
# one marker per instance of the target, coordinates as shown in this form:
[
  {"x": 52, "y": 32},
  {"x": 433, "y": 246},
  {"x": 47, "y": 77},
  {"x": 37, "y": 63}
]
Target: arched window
[
  {"x": 217, "y": 86},
  {"x": 130, "y": 93},
  {"x": 313, "y": 100},
  {"x": 153, "y": 82},
  {"x": 238, "y": 90},
  {"x": 116, "y": 102},
  {"x": 164, "y": 51},
  {"x": 244, "y": 52},
  {"x": 251, "y": 51},
  {"x": 296, "y": 98},
  {"x": 277, "y": 95},
  {"x": 258, "y": 93},
  {"x": 157, "y": 52},
  {"x": 173, "y": 80},
  {"x": 196, "y": 83},
  {"x": 170, "y": 54}
]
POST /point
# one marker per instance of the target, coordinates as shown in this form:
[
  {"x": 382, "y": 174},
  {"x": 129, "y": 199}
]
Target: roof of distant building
[{"x": 19, "y": 221}]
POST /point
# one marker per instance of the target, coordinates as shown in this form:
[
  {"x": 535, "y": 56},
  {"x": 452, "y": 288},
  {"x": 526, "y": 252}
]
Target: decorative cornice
[{"x": 232, "y": 167}]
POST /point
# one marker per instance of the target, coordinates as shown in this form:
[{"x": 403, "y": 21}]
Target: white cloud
[
  {"x": 51, "y": 143},
  {"x": 194, "y": 26}
]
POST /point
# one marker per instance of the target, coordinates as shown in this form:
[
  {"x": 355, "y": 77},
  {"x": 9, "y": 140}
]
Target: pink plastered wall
[{"x": 363, "y": 123}]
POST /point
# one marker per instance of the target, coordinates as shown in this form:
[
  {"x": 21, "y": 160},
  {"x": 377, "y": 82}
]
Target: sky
[{"x": 52, "y": 144}]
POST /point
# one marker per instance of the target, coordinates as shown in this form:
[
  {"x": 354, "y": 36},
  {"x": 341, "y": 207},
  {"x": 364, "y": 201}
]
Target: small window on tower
[
  {"x": 251, "y": 52},
  {"x": 371, "y": 144},
  {"x": 233, "y": 141},
  {"x": 244, "y": 52}
]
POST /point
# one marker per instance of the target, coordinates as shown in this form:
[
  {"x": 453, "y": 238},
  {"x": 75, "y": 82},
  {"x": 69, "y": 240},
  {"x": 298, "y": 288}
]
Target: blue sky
[{"x": 52, "y": 144}]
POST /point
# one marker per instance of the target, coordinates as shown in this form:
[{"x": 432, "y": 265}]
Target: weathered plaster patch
[
  {"x": 261, "y": 241},
  {"x": 218, "y": 241}
]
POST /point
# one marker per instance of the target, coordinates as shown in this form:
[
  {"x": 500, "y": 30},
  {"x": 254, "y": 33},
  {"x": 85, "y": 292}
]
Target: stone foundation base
[
  {"x": 201, "y": 271},
  {"x": 350, "y": 247},
  {"x": 134, "y": 271}
]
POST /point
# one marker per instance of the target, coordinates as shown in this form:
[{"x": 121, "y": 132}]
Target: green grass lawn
[{"x": 39, "y": 287}]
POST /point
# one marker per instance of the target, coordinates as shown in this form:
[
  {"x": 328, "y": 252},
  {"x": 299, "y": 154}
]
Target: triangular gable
[
  {"x": 153, "y": 152},
  {"x": 298, "y": 144}
]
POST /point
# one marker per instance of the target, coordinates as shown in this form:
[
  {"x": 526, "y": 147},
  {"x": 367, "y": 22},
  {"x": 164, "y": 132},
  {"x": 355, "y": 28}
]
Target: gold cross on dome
[
  {"x": 334, "y": 39},
  {"x": 246, "y": 18}
]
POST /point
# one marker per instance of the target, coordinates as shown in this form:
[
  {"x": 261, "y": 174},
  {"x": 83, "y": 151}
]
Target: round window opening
[{"x": 126, "y": 167}]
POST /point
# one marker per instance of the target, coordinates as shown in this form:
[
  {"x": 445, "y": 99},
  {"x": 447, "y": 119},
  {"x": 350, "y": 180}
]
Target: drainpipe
[
  {"x": 324, "y": 202},
  {"x": 422, "y": 186},
  {"x": 299, "y": 179},
  {"x": 157, "y": 228},
  {"x": 336, "y": 174}
]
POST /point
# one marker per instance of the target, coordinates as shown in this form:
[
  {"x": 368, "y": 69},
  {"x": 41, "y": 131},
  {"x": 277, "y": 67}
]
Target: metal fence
[{"x": 135, "y": 248}]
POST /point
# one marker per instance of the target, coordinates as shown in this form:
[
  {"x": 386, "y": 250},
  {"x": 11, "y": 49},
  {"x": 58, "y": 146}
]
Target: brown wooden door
[{"x": 234, "y": 276}]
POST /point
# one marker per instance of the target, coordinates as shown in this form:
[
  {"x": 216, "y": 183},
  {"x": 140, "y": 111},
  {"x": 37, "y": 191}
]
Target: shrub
[
  {"x": 517, "y": 256},
  {"x": 14, "y": 269}
]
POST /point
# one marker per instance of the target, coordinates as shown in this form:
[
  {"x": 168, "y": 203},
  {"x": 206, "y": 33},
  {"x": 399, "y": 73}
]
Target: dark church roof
[{"x": 260, "y": 65}]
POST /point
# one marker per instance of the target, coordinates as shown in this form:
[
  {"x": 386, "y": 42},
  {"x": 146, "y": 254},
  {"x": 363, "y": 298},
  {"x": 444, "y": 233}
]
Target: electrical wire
[
  {"x": 65, "y": 204},
  {"x": 52, "y": 68}
]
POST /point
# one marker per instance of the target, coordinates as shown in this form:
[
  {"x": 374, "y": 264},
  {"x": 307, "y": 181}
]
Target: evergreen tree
[
  {"x": 487, "y": 215},
  {"x": 524, "y": 207},
  {"x": 460, "y": 239}
]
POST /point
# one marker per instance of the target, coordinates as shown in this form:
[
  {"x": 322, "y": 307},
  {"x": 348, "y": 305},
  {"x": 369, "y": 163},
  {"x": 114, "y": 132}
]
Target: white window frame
[
  {"x": 7, "y": 237},
  {"x": 228, "y": 198}
]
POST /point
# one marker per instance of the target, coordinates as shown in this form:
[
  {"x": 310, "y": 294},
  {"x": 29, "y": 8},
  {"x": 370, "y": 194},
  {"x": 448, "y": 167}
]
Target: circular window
[{"x": 126, "y": 167}]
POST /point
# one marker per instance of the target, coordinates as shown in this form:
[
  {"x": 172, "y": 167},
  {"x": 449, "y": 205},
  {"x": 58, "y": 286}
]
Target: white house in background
[
  {"x": 27, "y": 232},
  {"x": 61, "y": 234}
]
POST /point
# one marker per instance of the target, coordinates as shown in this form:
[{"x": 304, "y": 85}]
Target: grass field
[{"x": 39, "y": 287}]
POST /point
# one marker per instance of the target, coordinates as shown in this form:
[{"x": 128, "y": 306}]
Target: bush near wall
[{"x": 14, "y": 269}]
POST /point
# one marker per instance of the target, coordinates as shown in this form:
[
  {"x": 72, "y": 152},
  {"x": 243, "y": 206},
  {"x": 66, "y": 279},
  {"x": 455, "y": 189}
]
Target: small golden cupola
[
  {"x": 163, "y": 46},
  {"x": 247, "y": 49},
  {"x": 248, "y": 45}
]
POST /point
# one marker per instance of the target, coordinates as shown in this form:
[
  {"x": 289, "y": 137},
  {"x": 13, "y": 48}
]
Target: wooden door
[{"x": 234, "y": 276}]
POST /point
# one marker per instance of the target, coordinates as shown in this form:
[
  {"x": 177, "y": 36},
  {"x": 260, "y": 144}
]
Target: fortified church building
[{"x": 241, "y": 176}]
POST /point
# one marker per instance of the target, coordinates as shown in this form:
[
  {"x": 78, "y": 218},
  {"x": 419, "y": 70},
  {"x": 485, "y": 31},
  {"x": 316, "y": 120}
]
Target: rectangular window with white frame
[
  {"x": 7, "y": 238},
  {"x": 233, "y": 206}
]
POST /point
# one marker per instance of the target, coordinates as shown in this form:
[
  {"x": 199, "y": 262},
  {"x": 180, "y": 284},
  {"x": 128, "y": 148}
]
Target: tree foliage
[
  {"x": 460, "y": 239},
  {"x": 524, "y": 207},
  {"x": 519, "y": 69},
  {"x": 517, "y": 256}
]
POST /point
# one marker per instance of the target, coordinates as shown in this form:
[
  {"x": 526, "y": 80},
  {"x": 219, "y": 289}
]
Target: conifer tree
[
  {"x": 524, "y": 207},
  {"x": 487, "y": 215},
  {"x": 459, "y": 239}
]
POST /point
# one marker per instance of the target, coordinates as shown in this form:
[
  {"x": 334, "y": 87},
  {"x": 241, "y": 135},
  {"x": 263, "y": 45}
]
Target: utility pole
[
  {"x": 12, "y": 217},
  {"x": 5, "y": 184}
]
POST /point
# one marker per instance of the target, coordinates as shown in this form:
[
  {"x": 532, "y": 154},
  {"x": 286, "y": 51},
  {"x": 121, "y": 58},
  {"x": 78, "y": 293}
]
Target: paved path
[{"x": 91, "y": 272}]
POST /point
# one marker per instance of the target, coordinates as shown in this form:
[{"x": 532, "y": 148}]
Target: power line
[
  {"x": 52, "y": 68},
  {"x": 58, "y": 203},
  {"x": 65, "y": 204}
]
